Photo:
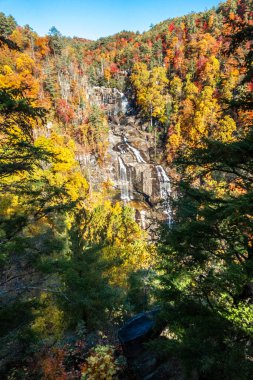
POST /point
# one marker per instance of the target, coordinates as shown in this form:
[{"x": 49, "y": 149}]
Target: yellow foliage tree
[
  {"x": 150, "y": 88},
  {"x": 124, "y": 242},
  {"x": 63, "y": 172}
]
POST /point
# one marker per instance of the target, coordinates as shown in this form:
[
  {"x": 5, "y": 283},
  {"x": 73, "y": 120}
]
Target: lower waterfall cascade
[
  {"x": 165, "y": 191},
  {"x": 139, "y": 163},
  {"x": 124, "y": 183}
]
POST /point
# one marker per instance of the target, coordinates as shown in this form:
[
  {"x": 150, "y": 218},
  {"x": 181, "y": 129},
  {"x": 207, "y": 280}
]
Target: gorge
[{"x": 131, "y": 165}]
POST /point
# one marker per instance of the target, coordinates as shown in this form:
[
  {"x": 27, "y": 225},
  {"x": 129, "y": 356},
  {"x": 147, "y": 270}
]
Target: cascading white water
[
  {"x": 165, "y": 191},
  {"x": 124, "y": 102},
  {"x": 137, "y": 154},
  {"x": 135, "y": 151},
  {"x": 165, "y": 187},
  {"x": 124, "y": 184},
  {"x": 143, "y": 219}
]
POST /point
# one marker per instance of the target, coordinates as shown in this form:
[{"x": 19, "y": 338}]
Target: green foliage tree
[
  {"x": 207, "y": 263},
  {"x": 55, "y": 40},
  {"x": 7, "y": 25},
  {"x": 18, "y": 116},
  {"x": 88, "y": 296}
]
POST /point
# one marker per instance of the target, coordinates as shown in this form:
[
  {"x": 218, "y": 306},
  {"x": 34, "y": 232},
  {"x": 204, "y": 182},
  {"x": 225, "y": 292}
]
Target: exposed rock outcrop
[{"x": 145, "y": 362}]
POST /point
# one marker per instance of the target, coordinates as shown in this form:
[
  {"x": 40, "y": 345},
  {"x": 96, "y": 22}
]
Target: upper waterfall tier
[
  {"x": 135, "y": 151},
  {"x": 111, "y": 99}
]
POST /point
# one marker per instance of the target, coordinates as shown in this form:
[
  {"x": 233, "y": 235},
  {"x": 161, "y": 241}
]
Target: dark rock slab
[
  {"x": 144, "y": 361},
  {"x": 138, "y": 330},
  {"x": 140, "y": 326}
]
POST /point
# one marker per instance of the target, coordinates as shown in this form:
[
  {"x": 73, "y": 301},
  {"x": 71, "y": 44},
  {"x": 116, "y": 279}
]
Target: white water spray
[
  {"x": 124, "y": 184},
  {"x": 165, "y": 191},
  {"x": 135, "y": 151}
]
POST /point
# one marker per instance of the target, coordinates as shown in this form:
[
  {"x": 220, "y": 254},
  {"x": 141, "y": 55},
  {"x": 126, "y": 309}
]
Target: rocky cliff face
[{"x": 131, "y": 166}]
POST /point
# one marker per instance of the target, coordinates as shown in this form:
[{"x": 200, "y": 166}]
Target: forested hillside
[{"x": 86, "y": 242}]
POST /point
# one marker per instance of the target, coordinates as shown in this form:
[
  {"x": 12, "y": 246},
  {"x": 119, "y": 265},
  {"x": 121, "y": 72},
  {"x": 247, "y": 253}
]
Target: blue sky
[{"x": 98, "y": 18}]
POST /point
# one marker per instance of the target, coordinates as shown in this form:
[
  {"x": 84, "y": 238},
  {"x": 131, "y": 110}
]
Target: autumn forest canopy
[{"x": 126, "y": 169}]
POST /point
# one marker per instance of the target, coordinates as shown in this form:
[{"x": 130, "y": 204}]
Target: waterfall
[
  {"x": 165, "y": 188},
  {"x": 135, "y": 151},
  {"x": 143, "y": 219},
  {"x": 124, "y": 103},
  {"x": 124, "y": 184},
  {"x": 165, "y": 191}
]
